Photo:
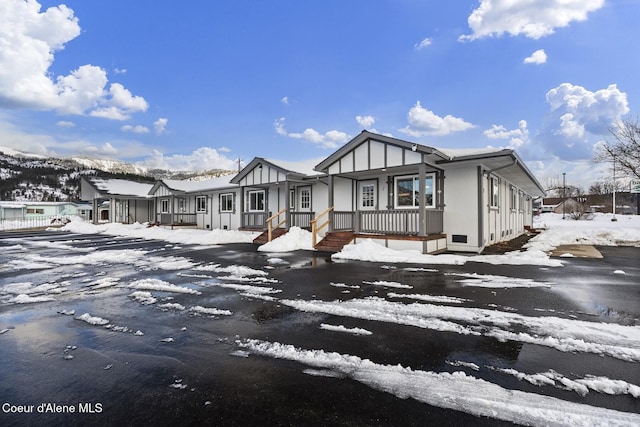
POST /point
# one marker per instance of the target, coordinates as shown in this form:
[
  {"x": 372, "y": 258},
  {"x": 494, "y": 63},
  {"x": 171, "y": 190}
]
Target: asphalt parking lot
[{"x": 101, "y": 330}]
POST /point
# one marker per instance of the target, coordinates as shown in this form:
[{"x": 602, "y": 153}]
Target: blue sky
[{"x": 197, "y": 85}]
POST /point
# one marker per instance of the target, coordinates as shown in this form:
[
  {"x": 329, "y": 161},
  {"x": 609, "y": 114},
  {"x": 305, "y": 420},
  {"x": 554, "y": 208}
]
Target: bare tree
[{"x": 624, "y": 149}]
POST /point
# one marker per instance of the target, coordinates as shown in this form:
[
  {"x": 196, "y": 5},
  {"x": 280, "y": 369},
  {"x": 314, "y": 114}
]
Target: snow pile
[
  {"x": 456, "y": 391},
  {"x": 92, "y": 320},
  {"x": 368, "y": 250},
  {"x": 295, "y": 239},
  {"x": 567, "y": 335},
  {"x": 162, "y": 286},
  {"x": 143, "y": 231},
  {"x": 598, "y": 231},
  {"x": 342, "y": 328}
]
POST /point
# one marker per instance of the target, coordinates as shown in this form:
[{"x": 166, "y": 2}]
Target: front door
[{"x": 368, "y": 195}]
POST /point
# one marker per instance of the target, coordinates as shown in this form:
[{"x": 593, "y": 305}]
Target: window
[
  {"x": 201, "y": 204},
  {"x": 35, "y": 211},
  {"x": 494, "y": 192},
  {"x": 305, "y": 199},
  {"x": 521, "y": 201},
  {"x": 408, "y": 191},
  {"x": 368, "y": 193},
  {"x": 164, "y": 205},
  {"x": 514, "y": 198},
  {"x": 226, "y": 202},
  {"x": 181, "y": 205},
  {"x": 292, "y": 200},
  {"x": 256, "y": 201}
]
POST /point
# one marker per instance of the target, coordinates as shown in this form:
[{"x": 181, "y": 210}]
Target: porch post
[
  {"x": 287, "y": 205},
  {"x": 242, "y": 221},
  {"x": 330, "y": 182},
  {"x": 422, "y": 191},
  {"x": 95, "y": 211}
]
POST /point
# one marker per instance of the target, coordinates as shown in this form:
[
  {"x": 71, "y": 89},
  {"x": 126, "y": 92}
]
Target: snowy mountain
[{"x": 25, "y": 176}]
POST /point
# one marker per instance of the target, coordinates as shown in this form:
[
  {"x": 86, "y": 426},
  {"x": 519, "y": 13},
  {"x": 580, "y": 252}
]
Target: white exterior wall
[
  {"x": 461, "y": 207},
  {"x": 213, "y": 218}
]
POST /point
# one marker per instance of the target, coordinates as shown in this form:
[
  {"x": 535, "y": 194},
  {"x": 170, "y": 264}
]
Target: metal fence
[{"x": 33, "y": 222}]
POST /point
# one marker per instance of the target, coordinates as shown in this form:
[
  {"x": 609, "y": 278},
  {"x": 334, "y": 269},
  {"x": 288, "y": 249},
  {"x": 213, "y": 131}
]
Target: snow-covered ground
[{"x": 185, "y": 281}]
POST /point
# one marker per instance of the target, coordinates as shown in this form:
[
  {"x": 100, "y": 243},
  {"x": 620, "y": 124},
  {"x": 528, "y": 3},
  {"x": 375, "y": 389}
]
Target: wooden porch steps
[
  {"x": 264, "y": 237},
  {"x": 335, "y": 241}
]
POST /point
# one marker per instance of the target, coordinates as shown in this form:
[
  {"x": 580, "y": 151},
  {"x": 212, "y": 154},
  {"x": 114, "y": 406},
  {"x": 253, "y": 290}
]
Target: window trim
[
  {"x": 224, "y": 196},
  {"x": 199, "y": 208},
  {"x": 164, "y": 205},
  {"x": 494, "y": 192},
  {"x": 264, "y": 197},
  {"x": 415, "y": 178},
  {"x": 305, "y": 198}
]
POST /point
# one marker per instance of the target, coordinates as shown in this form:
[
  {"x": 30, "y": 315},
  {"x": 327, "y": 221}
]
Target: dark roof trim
[
  {"x": 258, "y": 161},
  {"x": 366, "y": 135}
]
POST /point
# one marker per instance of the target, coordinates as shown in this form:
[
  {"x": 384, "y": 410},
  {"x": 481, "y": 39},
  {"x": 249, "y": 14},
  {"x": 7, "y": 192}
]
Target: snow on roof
[
  {"x": 16, "y": 205},
  {"x": 206, "y": 184},
  {"x": 464, "y": 152},
  {"x": 304, "y": 167},
  {"x": 122, "y": 187}
]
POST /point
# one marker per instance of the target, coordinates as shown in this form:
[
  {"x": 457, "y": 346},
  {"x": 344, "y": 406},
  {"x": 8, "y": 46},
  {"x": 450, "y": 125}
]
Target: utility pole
[
  {"x": 614, "y": 189},
  {"x": 564, "y": 194}
]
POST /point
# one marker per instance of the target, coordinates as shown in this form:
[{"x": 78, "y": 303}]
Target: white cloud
[
  {"x": 224, "y": 149},
  {"x": 330, "y": 139},
  {"x": 424, "y": 43},
  {"x": 576, "y": 110},
  {"x": 285, "y": 100},
  {"x": 120, "y": 70},
  {"x": 65, "y": 124},
  {"x": 135, "y": 129},
  {"x": 537, "y": 57},
  {"x": 160, "y": 125},
  {"x": 201, "y": 159},
  {"x": 424, "y": 122},
  {"x": 104, "y": 150},
  {"x": 517, "y": 137},
  {"x": 533, "y": 19},
  {"x": 30, "y": 38},
  {"x": 365, "y": 121}
]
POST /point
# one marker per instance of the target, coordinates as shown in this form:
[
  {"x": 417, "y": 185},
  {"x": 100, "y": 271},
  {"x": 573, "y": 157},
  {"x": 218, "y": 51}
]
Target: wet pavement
[{"x": 162, "y": 365}]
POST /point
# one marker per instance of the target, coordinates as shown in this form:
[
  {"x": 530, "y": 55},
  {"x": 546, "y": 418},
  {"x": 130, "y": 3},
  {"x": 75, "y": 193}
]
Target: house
[
  {"x": 401, "y": 194},
  {"x": 206, "y": 204},
  {"x": 276, "y": 195},
  {"x": 34, "y": 209},
  {"x": 118, "y": 200},
  {"x": 28, "y": 214}
]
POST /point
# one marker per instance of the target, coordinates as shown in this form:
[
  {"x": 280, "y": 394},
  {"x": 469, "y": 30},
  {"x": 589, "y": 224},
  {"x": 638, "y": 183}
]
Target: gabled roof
[
  {"x": 293, "y": 170},
  {"x": 366, "y": 135}
]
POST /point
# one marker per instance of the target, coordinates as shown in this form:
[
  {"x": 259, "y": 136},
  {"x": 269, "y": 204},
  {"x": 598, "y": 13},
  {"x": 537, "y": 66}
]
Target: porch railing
[
  {"x": 176, "y": 218},
  {"x": 302, "y": 219},
  {"x": 399, "y": 221},
  {"x": 343, "y": 221},
  {"x": 254, "y": 219}
]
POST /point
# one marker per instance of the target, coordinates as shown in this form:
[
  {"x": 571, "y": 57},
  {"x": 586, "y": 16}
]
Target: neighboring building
[
  {"x": 118, "y": 200},
  {"x": 206, "y": 204},
  {"x": 20, "y": 215},
  {"x": 280, "y": 193},
  {"x": 29, "y": 209}
]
